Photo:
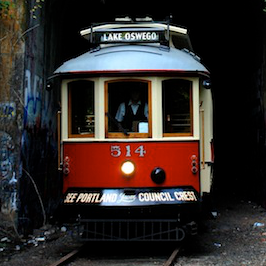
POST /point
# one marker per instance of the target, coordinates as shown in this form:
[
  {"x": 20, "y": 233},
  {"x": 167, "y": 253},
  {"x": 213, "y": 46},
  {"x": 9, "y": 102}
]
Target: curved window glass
[
  {"x": 81, "y": 108},
  {"x": 177, "y": 107}
]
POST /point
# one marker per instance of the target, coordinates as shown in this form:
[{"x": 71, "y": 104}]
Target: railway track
[
  {"x": 67, "y": 258},
  {"x": 73, "y": 257},
  {"x": 172, "y": 258}
]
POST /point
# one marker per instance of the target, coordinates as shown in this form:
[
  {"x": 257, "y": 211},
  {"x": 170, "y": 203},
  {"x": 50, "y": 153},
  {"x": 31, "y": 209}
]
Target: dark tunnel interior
[{"x": 229, "y": 39}]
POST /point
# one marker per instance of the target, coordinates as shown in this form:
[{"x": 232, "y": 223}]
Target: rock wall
[
  {"x": 12, "y": 54},
  {"x": 29, "y": 182}
]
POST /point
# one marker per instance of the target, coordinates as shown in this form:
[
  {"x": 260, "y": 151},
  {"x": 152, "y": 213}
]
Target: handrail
[
  {"x": 59, "y": 150},
  {"x": 202, "y": 139}
]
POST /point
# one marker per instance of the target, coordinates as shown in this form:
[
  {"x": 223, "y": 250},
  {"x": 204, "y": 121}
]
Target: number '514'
[{"x": 117, "y": 151}]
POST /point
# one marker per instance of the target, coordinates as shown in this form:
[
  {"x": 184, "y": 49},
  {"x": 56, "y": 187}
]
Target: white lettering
[
  {"x": 185, "y": 196},
  {"x": 138, "y": 35},
  {"x": 109, "y": 197},
  {"x": 105, "y": 38},
  {"x": 115, "y": 151},
  {"x": 144, "y": 36},
  {"x": 169, "y": 197},
  {"x": 128, "y": 151},
  {"x": 155, "y": 196},
  {"x": 130, "y": 36},
  {"x": 127, "y": 36},
  {"x": 86, "y": 197},
  {"x": 70, "y": 197},
  {"x": 149, "y": 36},
  {"x": 141, "y": 199},
  {"x": 96, "y": 198},
  {"x": 140, "y": 150},
  {"x": 111, "y": 37}
]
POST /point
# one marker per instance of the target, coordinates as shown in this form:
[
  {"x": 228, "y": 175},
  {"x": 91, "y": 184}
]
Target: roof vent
[
  {"x": 146, "y": 19},
  {"x": 125, "y": 19}
]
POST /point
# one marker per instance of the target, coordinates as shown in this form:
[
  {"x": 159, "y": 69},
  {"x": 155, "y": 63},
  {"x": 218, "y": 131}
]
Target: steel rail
[
  {"x": 70, "y": 256},
  {"x": 171, "y": 259},
  {"x": 66, "y": 258}
]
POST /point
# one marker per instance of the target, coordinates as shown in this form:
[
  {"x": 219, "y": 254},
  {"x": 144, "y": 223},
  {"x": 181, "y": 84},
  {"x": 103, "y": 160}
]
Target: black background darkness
[{"x": 228, "y": 36}]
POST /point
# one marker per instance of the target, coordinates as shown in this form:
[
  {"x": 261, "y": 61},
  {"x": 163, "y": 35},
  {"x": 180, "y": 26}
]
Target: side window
[
  {"x": 81, "y": 108},
  {"x": 127, "y": 109},
  {"x": 177, "y": 107}
]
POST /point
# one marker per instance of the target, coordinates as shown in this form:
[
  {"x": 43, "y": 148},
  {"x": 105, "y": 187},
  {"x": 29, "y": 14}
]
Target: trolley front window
[
  {"x": 177, "y": 108},
  {"x": 81, "y": 108},
  {"x": 128, "y": 109}
]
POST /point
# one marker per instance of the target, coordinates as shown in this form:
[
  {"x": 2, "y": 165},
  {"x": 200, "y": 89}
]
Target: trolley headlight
[
  {"x": 158, "y": 175},
  {"x": 128, "y": 168}
]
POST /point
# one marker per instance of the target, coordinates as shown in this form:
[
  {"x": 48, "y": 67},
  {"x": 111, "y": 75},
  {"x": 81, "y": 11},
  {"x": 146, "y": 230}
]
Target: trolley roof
[
  {"x": 133, "y": 58},
  {"x": 144, "y": 47}
]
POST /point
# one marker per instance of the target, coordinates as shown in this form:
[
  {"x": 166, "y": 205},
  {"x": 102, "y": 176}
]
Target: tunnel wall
[
  {"x": 29, "y": 181},
  {"x": 40, "y": 182}
]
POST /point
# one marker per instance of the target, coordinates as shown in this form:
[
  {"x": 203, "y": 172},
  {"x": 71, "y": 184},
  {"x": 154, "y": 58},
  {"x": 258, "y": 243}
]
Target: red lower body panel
[{"x": 98, "y": 164}]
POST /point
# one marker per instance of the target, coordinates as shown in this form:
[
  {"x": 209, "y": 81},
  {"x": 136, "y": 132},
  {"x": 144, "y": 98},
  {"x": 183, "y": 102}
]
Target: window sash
[{"x": 177, "y": 121}]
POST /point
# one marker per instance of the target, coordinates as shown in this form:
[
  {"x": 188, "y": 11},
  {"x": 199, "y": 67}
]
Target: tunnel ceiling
[{"x": 215, "y": 28}]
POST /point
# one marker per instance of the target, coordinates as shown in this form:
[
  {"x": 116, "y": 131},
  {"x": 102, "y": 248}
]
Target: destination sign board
[{"x": 130, "y": 36}]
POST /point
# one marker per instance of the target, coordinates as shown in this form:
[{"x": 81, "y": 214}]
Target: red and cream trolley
[{"x": 146, "y": 181}]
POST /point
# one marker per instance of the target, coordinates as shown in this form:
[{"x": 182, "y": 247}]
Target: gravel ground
[{"x": 237, "y": 237}]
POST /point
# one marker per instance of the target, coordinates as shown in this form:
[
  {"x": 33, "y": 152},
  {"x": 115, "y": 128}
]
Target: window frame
[
  {"x": 191, "y": 111},
  {"x": 69, "y": 95},
  {"x": 134, "y": 135}
]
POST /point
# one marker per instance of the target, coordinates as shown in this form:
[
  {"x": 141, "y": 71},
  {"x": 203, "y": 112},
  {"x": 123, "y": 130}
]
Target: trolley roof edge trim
[
  {"x": 141, "y": 72},
  {"x": 134, "y": 25}
]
